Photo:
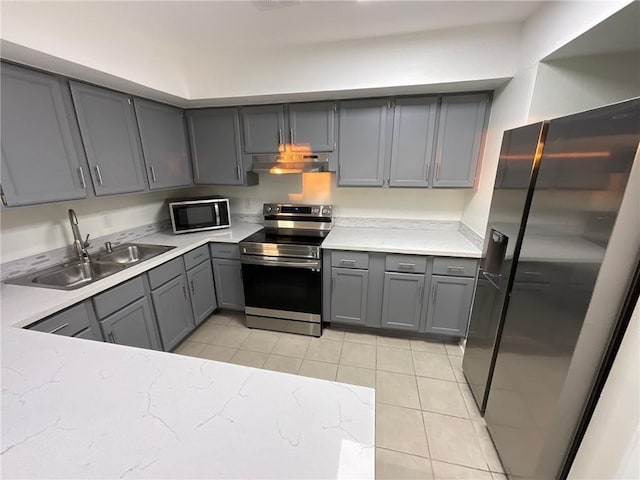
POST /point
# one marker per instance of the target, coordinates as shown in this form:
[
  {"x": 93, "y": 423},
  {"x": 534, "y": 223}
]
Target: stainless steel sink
[
  {"x": 76, "y": 274},
  {"x": 131, "y": 253}
]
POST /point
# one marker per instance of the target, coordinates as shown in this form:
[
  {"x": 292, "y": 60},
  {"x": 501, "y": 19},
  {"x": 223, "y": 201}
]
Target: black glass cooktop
[{"x": 262, "y": 236}]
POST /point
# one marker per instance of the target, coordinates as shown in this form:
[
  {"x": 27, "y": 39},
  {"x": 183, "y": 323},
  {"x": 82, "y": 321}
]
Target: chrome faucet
[{"x": 79, "y": 246}]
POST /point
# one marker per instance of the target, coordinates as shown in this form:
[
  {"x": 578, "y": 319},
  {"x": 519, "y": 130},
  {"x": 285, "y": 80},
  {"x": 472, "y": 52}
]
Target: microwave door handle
[{"x": 216, "y": 207}]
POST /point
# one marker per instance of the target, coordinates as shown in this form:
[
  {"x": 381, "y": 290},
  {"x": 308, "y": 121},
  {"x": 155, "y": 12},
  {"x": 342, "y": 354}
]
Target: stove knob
[
  {"x": 277, "y": 209},
  {"x": 326, "y": 211},
  {"x": 268, "y": 209},
  {"x": 315, "y": 211}
]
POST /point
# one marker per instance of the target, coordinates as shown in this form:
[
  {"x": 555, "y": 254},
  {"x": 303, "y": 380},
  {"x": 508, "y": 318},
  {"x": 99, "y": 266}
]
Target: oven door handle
[{"x": 280, "y": 262}]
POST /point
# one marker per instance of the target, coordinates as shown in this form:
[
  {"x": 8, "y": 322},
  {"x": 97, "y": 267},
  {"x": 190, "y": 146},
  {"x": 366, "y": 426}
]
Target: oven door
[{"x": 282, "y": 287}]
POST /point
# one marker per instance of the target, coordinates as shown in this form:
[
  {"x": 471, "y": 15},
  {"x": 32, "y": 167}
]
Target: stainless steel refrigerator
[{"x": 558, "y": 192}]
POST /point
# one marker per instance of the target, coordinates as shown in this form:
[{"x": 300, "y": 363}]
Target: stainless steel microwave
[{"x": 198, "y": 214}]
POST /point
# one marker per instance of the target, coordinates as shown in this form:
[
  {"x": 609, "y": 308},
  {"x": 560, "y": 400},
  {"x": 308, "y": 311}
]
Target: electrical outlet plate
[{"x": 106, "y": 221}]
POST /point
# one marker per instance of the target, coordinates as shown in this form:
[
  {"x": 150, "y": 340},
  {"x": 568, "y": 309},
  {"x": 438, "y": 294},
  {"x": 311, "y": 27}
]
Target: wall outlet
[
  {"x": 247, "y": 204},
  {"x": 106, "y": 221}
]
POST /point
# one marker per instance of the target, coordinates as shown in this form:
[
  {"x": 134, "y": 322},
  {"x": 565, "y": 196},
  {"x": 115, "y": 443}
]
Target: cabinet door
[
  {"x": 349, "y": 295},
  {"x": 215, "y": 145},
  {"x": 461, "y": 130},
  {"x": 42, "y": 157},
  {"x": 311, "y": 127},
  {"x": 203, "y": 293},
  {"x": 263, "y": 128},
  {"x": 173, "y": 311},
  {"x": 414, "y": 127},
  {"x": 133, "y": 326},
  {"x": 363, "y": 132},
  {"x": 227, "y": 275},
  {"x": 111, "y": 140},
  {"x": 402, "y": 300},
  {"x": 450, "y": 305},
  {"x": 164, "y": 144}
]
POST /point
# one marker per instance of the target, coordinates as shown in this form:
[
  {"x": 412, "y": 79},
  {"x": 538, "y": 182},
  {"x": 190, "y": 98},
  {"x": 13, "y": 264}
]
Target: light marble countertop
[
  {"x": 22, "y": 305},
  {"x": 74, "y": 408},
  {"x": 418, "y": 242}
]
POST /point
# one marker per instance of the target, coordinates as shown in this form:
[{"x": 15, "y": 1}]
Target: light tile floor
[{"x": 427, "y": 424}]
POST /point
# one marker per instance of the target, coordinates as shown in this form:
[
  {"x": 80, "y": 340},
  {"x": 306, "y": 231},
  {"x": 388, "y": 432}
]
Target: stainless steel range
[{"x": 282, "y": 269}]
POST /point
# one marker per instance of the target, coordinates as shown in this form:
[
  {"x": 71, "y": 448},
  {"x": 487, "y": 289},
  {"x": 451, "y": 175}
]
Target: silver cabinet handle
[
  {"x": 532, "y": 273},
  {"x": 428, "y": 172},
  {"x": 279, "y": 136},
  {"x": 291, "y": 136},
  {"x": 111, "y": 338},
  {"x": 153, "y": 174},
  {"x": 419, "y": 298},
  {"x": 455, "y": 269},
  {"x": 438, "y": 171},
  {"x": 406, "y": 266},
  {"x": 184, "y": 291},
  {"x": 198, "y": 256},
  {"x": 82, "y": 182},
  {"x": 351, "y": 263},
  {"x": 340, "y": 171},
  {"x": 238, "y": 171},
  {"x": 193, "y": 288},
  {"x": 98, "y": 174},
  {"x": 433, "y": 293},
  {"x": 333, "y": 282},
  {"x": 57, "y": 329}
]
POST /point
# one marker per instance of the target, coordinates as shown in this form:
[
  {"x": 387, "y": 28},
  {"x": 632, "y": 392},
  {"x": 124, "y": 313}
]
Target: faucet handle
[
  {"x": 86, "y": 242},
  {"x": 108, "y": 247}
]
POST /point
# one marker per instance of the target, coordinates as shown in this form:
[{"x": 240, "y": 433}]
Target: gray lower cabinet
[
  {"x": 202, "y": 290},
  {"x": 450, "y": 305},
  {"x": 402, "y": 301},
  {"x": 413, "y": 144},
  {"x": 133, "y": 325},
  {"x": 111, "y": 139},
  {"x": 76, "y": 321},
  {"x": 363, "y": 140},
  {"x": 164, "y": 144},
  {"x": 349, "y": 295},
  {"x": 461, "y": 128},
  {"x": 42, "y": 157},
  {"x": 227, "y": 275},
  {"x": 214, "y": 134},
  {"x": 173, "y": 311}
]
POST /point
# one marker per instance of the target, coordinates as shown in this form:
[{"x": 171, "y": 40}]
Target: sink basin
[
  {"x": 75, "y": 274},
  {"x": 131, "y": 253}
]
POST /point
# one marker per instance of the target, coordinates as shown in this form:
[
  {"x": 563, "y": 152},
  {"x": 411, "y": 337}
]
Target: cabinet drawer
[
  {"x": 69, "y": 322},
  {"x": 119, "y": 296},
  {"x": 225, "y": 250},
  {"x": 165, "y": 272},
  {"x": 350, "y": 259},
  {"x": 405, "y": 263},
  {"x": 457, "y": 267},
  {"x": 196, "y": 256}
]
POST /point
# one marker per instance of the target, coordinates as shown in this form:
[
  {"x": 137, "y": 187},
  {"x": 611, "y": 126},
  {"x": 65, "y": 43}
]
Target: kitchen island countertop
[{"x": 74, "y": 408}]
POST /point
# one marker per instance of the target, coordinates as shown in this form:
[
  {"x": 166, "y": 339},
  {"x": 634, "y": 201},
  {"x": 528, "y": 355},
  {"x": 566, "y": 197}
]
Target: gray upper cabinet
[
  {"x": 215, "y": 145},
  {"x": 202, "y": 290},
  {"x": 363, "y": 142},
  {"x": 461, "y": 128},
  {"x": 349, "y": 295},
  {"x": 173, "y": 311},
  {"x": 263, "y": 128},
  {"x": 228, "y": 281},
  {"x": 450, "y": 305},
  {"x": 132, "y": 325},
  {"x": 312, "y": 127},
  {"x": 413, "y": 144},
  {"x": 402, "y": 301},
  {"x": 164, "y": 144},
  {"x": 111, "y": 139},
  {"x": 42, "y": 157}
]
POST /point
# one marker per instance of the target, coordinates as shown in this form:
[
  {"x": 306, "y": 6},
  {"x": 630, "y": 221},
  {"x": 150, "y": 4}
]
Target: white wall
[
  {"x": 350, "y": 202},
  {"x": 510, "y": 109},
  {"x": 572, "y": 85},
  {"x": 35, "y": 229}
]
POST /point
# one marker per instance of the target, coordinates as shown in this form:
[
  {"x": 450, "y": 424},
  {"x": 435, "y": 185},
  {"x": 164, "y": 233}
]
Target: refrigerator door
[
  {"x": 580, "y": 184},
  {"x": 521, "y": 149}
]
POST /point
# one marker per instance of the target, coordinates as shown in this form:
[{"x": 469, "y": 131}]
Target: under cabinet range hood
[{"x": 289, "y": 162}]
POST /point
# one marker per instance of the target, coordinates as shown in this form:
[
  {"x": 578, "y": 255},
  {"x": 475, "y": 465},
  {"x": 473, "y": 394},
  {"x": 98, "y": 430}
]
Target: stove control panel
[{"x": 281, "y": 209}]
